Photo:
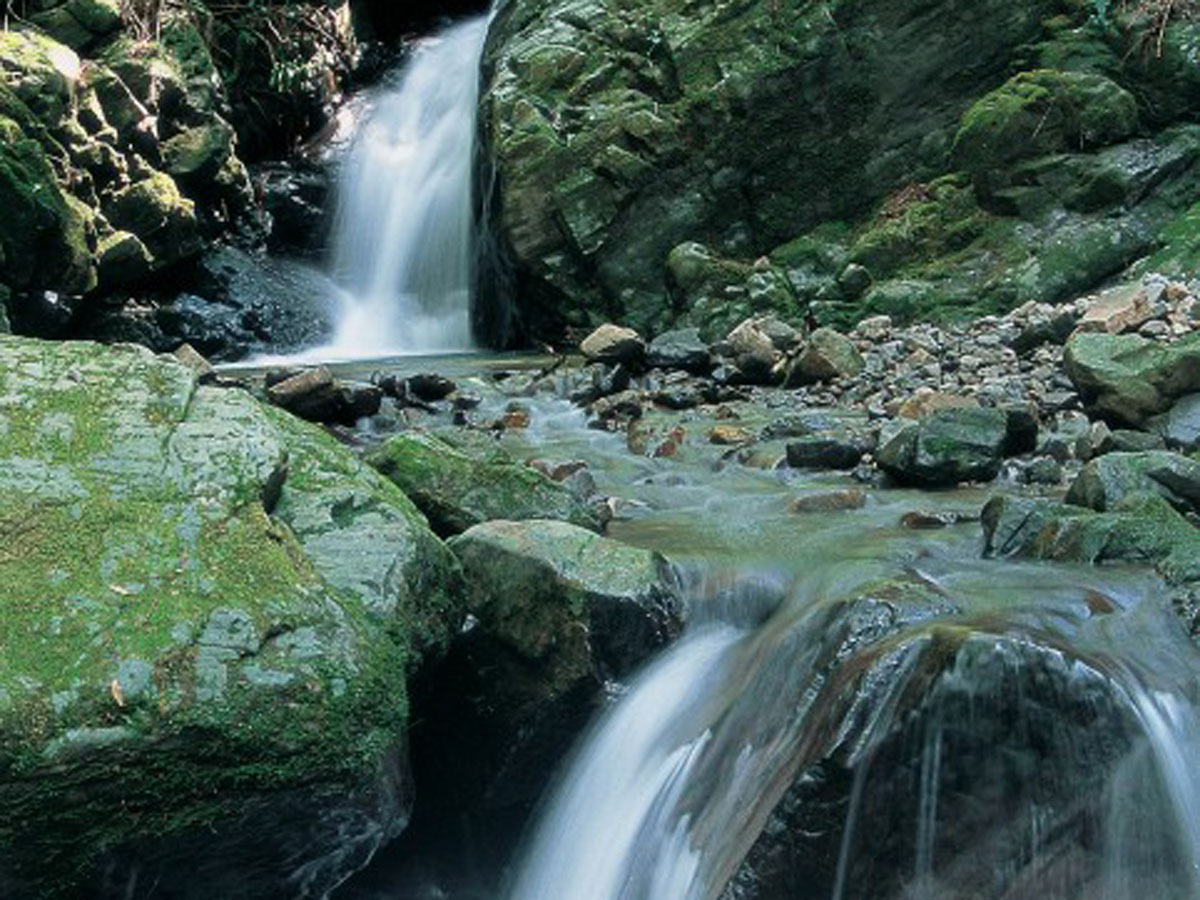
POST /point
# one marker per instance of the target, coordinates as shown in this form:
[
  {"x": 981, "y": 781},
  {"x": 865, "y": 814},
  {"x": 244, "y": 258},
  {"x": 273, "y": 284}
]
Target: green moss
[
  {"x": 1179, "y": 254},
  {"x": 167, "y": 647},
  {"x": 1040, "y": 112},
  {"x": 44, "y": 238},
  {"x": 920, "y": 224}
]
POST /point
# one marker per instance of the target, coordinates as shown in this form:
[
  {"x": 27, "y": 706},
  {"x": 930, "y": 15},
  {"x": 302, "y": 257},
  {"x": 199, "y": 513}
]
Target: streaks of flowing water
[{"x": 403, "y": 238}]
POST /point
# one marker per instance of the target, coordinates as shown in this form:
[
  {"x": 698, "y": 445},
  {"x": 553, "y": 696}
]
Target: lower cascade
[
  {"x": 404, "y": 227},
  {"x": 868, "y": 748}
]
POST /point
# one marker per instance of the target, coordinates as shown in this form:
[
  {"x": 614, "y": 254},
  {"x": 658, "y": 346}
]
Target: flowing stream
[
  {"x": 403, "y": 235},
  {"x": 862, "y": 711},
  {"x": 901, "y": 720}
]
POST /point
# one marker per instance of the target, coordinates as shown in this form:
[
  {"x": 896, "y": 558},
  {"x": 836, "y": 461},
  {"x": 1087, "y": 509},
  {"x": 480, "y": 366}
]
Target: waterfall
[
  {"x": 890, "y": 760},
  {"x": 403, "y": 235}
]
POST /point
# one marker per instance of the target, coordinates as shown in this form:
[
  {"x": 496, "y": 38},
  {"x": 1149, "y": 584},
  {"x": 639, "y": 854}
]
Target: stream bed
[{"x": 860, "y": 705}]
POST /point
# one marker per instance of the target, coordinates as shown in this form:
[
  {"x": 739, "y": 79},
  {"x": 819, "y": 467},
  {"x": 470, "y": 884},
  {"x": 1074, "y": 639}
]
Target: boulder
[
  {"x": 757, "y": 348},
  {"x": 558, "y": 612},
  {"x": 155, "y": 211},
  {"x": 39, "y": 71},
  {"x": 947, "y": 447},
  {"x": 191, "y": 576},
  {"x": 680, "y": 349},
  {"x": 1039, "y": 112},
  {"x": 1127, "y": 378},
  {"x": 827, "y": 450},
  {"x": 1180, "y": 425},
  {"x": 827, "y": 356},
  {"x": 459, "y": 482},
  {"x": 1124, "y": 308},
  {"x": 1107, "y": 480},
  {"x": 123, "y": 259},
  {"x": 1140, "y": 529},
  {"x": 613, "y": 344},
  {"x": 538, "y": 581},
  {"x": 79, "y": 23},
  {"x": 197, "y": 154}
]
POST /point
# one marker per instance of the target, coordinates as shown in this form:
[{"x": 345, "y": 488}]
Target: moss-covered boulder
[
  {"x": 160, "y": 217},
  {"x": 949, "y": 446},
  {"x": 559, "y": 614},
  {"x": 40, "y": 71},
  {"x": 1107, "y": 480},
  {"x": 1127, "y": 378},
  {"x": 1140, "y": 529},
  {"x": 198, "y": 154},
  {"x": 537, "y": 582},
  {"x": 209, "y": 612},
  {"x": 1040, "y": 112},
  {"x": 78, "y": 23},
  {"x": 459, "y": 482},
  {"x": 44, "y": 238}
]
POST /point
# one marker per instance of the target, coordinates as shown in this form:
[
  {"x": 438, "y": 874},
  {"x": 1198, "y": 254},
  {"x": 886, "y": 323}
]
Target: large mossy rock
[
  {"x": 949, "y": 446},
  {"x": 44, "y": 235},
  {"x": 1040, "y": 112},
  {"x": 618, "y": 133},
  {"x": 1107, "y": 480},
  {"x": 558, "y": 615},
  {"x": 1140, "y": 529},
  {"x": 459, "y": 482},
  {"x": 538, "y": 580},
  {"x": 209, "y": 613},
  {"x": 1127, "y": 378}
]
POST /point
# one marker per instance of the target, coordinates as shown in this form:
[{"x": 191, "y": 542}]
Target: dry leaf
[{"x": 115, "y": 690}]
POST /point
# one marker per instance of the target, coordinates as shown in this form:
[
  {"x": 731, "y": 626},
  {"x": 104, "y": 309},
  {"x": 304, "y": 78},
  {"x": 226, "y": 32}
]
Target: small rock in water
[
  {"x": 830, "y": 501},
  {"x": 924, "y": 519},
  {"x": 188, "y": 356},
  {"x": 315, "y": 395},
  {"x": 429, "y": 387},
  {"x": 515, "y": 417},
  {"x": 729, "y": 434},
  {"x": 613, "y": 344}
]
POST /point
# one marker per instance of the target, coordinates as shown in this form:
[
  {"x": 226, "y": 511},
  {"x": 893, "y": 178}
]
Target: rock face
[
  {"x": 116, "y": 165},
  {"x": 694, "y": 112},
  {"x": 458, "y": 484},
  {"x": 210, "y": 609},
  {"x": 666, "y": 163}
]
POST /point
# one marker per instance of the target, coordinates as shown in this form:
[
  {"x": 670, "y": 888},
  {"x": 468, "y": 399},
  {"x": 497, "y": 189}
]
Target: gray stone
[{"x": 947, "y": 447}]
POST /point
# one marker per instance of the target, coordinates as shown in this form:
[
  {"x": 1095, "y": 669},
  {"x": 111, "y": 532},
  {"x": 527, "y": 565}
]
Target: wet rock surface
[{"x": 187, "y": 571}]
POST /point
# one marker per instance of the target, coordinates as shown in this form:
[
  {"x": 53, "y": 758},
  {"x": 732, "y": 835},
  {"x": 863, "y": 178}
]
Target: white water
[
  {"x": 403, "y": 237},
  {"x": 608, "y": 823}
]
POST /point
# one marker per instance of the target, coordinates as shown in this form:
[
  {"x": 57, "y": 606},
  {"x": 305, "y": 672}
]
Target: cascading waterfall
[
  {"x": 943, "y": 762},
  {"x": 403, "y": 236}
]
